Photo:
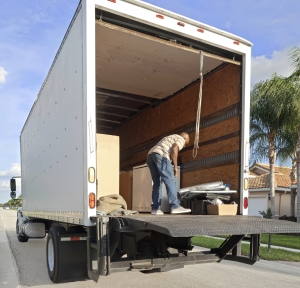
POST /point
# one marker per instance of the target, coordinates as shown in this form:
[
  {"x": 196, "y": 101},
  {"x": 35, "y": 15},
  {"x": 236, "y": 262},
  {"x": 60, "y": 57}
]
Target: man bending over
[{"x": 159, "y": 162}]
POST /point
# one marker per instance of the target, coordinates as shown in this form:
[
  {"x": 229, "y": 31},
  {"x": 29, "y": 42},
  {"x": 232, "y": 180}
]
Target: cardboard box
[
  {"x": 108, "y": 159},
  {"x": 222, "y": 209},
  {"x": 126, "y": 187}
]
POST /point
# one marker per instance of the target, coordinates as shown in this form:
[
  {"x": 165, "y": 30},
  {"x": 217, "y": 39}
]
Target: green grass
[
  {"x": 288, "y": 241},
  {"x": 274, "y": 254},
  {"x": 282, "y": 240},
  {"x": 206, "y": 242}
]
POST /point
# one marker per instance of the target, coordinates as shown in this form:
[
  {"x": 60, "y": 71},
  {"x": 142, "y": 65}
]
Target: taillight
[
  {"x": 200, "y": 30},
  {"x": 245, "y": 202},
  {"x": 92, "y": 200},
  {"x": 236, "y": 42},
  {"x": 181, "y": 24},
  {"x": 160, "y": 16}
]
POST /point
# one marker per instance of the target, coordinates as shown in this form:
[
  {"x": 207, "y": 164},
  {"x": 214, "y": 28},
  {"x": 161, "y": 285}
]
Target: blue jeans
[{"x": 162, "y": 170}]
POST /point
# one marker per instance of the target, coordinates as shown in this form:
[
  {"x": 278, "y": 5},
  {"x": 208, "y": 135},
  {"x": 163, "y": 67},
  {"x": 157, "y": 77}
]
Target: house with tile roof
[{"x": 259, "y": 190}]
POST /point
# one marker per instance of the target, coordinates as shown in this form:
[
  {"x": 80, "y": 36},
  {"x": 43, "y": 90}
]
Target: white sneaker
[
  {"x": 157, "y": 212},
  {"x": 180, "y": 210}
]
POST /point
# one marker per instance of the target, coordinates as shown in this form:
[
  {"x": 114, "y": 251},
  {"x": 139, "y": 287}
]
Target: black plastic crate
[
  {"x": 198, "y": 207},
  {"x": 186, "y": 203}
]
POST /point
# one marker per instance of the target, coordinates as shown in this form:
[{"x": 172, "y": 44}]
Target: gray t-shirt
[{"x": 164, "y": 146}]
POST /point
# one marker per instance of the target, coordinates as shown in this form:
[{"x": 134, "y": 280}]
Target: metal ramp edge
[{"x": 197, "y": 225}]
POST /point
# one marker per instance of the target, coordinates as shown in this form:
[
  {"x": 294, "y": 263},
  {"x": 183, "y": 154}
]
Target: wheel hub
[{"x": 50, "y": 255}]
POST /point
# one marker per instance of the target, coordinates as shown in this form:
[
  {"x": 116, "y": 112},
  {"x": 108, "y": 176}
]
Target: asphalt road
[{"x": 28, "y": 264}]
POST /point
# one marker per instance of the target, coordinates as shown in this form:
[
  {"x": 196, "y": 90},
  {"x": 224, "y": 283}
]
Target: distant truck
[{"x": 131, "y": 71}]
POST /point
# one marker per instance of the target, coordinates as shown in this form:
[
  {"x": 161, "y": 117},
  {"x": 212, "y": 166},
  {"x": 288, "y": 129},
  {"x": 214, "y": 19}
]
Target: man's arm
[{"x": 174, "y": 156}]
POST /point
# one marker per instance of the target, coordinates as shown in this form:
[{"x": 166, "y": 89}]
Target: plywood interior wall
[
  {"x": 221, "y": 90},
  {"x": 228, "y": 174}
]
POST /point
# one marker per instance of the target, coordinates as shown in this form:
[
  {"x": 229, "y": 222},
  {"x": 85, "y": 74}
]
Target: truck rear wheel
[
  {"x": 53, "y": 252},
  {"x": 20, "y": 238}
]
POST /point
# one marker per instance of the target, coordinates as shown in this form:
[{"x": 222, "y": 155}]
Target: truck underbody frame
[{"x": 162, "y": 243}]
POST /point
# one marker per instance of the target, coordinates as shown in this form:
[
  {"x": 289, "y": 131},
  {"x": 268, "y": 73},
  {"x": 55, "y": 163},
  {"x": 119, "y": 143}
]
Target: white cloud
[
  {"x": 5, "y": 184},
  {"x": 263, "y": 68},
  {"x": 14, "y": 170},
  {"x": 3, "y": 73}
]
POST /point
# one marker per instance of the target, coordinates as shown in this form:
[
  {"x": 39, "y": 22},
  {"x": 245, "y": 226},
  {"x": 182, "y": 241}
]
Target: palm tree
[
  {"x": 270, "y": 113},
  {"x": 287, "y": 150},
  {"x": 289, "y": 134},
  {"x": 294, "y": 57},
  {"x": 292, "y": 141}
]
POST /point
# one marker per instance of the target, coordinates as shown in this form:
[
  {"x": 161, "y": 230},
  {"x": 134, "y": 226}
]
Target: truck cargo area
[{"x": 147, "y": 87}]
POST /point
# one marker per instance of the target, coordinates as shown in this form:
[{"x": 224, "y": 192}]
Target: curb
[{"x": 8, "y": 270}]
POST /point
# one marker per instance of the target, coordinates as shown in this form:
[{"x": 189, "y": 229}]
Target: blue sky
[{"x": 31, "y": 32}]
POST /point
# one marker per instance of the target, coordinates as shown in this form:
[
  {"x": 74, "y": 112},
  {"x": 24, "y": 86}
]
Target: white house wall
[{"x": 282, "y": 201}]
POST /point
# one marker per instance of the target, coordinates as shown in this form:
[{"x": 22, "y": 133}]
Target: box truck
[{"x": 126, "y": 74}]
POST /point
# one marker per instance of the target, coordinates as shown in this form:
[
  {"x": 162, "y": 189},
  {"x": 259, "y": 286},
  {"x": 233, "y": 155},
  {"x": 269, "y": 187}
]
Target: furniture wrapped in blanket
[{"x": 113, "y": 205}]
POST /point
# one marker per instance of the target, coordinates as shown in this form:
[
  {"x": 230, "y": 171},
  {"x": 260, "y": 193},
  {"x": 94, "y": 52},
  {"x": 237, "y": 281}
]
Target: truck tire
[
  {"x": 53, "y": 252},
  {"x": 20, "y": 238}
]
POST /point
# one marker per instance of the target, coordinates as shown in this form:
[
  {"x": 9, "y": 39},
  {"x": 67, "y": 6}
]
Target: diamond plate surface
[{"x": 196, "y": 225}]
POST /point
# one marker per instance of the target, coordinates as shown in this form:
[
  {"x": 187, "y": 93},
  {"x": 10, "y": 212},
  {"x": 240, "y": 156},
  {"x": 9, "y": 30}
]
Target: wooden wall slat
[
  {"x": 227, "y": 173},
  {"x": 212, "y": 119},
  {"x": 221, "y": 89},
  {"x": 218, "y": 130},
  {"x": 134, "y": 160},
  {"x": 211, "y": 132},
  {"x": 205, "y": 151},
  {"x": 215, "y": 131}
]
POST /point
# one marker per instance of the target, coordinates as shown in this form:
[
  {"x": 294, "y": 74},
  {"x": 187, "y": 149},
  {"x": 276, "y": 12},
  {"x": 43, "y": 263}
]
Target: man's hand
[
  {"x": 173, "y": 156},
  {"x": 175, "y": 171}
]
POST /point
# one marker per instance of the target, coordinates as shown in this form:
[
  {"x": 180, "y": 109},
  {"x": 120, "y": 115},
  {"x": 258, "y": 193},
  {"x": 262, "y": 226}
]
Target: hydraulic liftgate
[{"x": 164, "y": 242}]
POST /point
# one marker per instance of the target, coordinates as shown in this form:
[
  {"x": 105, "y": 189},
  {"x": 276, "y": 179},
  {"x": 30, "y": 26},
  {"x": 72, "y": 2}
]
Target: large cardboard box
[
  {"x": 222, "y": 209},
  {"x": 108, "y": 167}
]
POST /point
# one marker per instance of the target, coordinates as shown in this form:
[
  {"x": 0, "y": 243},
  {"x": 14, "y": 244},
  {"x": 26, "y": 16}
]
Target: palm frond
[{"x": 294, "y": 59}]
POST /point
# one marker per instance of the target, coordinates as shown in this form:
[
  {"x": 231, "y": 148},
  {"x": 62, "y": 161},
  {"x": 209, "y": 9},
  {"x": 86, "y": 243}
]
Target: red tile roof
[
  {"x": 263, "y": 181},
  {"x": 252, "y": 174},
  {"x": 279, "y": 169},
  {"x": 282, "y": 177}
]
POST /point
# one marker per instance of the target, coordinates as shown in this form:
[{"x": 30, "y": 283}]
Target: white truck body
[{"x": 58, "y": 142}]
